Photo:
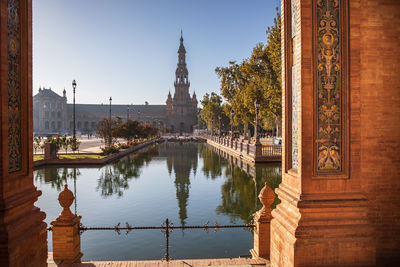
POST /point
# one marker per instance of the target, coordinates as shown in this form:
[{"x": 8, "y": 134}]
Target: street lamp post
[
  {"x": 219, "y": 126},
  {"x": 256, "y": 137},
  {"x": 212, "y": 126},
  {"x": 232, "y": 113},
  {"x": 73, "y": 89},
  {"x": 109, "y": 137},
  {"x": 127, "y": 113}
]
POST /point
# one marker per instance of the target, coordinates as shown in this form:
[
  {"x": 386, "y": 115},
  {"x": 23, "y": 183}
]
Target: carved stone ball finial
[
  {"x": 66, "y": 198},
  {"x": 267, "y": 197}
]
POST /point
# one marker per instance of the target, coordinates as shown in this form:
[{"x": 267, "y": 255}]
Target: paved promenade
[
  {"x": 173, "y": 263},
  {"x": 87, "y": 146}
]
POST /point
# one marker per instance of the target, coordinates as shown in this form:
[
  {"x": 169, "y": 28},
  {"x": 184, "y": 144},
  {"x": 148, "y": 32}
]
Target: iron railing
[{"x": 166, "y": 228}]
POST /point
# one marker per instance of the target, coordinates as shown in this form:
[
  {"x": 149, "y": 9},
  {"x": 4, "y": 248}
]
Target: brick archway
[{"x": 23, "y": 232}]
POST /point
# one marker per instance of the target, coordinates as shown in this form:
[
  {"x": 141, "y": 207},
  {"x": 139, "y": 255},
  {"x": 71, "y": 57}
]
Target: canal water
[{"x": 189, "y": 183}]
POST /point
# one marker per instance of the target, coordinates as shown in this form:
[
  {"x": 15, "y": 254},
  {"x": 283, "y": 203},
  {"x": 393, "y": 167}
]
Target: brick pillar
[
  {"x": 50, "y": 151},
  {"x": 23, "y": 234},
  {"x": 258, "y": 150},
  {"x": 322, "y": 218},
  {"x": 262, "y": 219},
  {"x": 66, "y": 236}
]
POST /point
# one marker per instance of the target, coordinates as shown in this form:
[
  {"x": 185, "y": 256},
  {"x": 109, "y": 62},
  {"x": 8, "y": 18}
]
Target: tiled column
[
  {"x": 23, "y": 234},
  {"x": 322, "y": 218}
]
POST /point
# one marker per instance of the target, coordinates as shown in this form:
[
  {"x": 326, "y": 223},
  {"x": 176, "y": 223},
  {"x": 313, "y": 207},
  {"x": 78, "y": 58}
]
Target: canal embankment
[
  {"x": 252, "y": 153},
  {"x": 94, "y": 162}
]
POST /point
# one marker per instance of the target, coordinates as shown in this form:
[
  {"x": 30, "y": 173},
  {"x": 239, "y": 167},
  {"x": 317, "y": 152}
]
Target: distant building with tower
[
  {"x": 182, "y": 109},
  {"x": 53, "y": 115}
]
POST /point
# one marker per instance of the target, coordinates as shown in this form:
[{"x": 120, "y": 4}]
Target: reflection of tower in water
[{"x": 181, "y": 159}]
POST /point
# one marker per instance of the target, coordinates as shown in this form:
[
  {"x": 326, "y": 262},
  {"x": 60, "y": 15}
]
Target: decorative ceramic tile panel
[
  {"x": 294, "y": 17},
  {"x": 295, "y": 108},
  {"x": 328, "y": 48},
  {"x": 295, "y": 117},
  {"x": 14, "y": 86}
]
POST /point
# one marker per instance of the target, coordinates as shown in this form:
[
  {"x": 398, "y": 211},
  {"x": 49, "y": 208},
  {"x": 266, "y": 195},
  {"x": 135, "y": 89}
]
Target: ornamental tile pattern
[
  {"x": 14, "y": 86},
  {"x": 328, "y": 49},
  {"x": 295, "y": 116}
]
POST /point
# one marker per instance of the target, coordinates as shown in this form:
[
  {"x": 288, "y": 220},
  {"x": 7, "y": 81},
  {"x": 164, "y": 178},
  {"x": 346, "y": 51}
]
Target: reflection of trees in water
[
  {"x": 239, "y": 193},
  {"x": 181, "y": 158},
  {"x": 212, "y": 162},
  {"x": 57, "y": 177},
  {"x": 114, "y": 178}
]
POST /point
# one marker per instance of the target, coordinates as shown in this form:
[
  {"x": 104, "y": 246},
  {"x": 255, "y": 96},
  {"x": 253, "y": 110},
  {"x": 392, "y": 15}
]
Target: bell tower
[
  {"x": 181, "y": 109},
  {"x": 181, "y": 83}
]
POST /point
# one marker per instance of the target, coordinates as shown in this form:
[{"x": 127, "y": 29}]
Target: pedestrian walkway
[{"x": 174, "y": 263}]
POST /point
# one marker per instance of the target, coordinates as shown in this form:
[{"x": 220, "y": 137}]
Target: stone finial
[
  {"x": 66, "y": 236},
  {"x": 267, "y": 197},
  {"x": 66, "y": 198},
  {"x": 262, "y": 220}
]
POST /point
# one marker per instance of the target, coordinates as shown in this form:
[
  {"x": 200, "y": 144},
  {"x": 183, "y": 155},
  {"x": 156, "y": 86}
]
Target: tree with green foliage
[
  {"x": 36, "y": 143},
  {"x": 212, "y": 110},
  {"x": 147, "y": 130},
  {"x": 108, "y": 129},
  {"x": 65, "y": 143},
  {"x": 74, "y": 143},
  {"x": 128, "y": 130},
  {"x": 233, "y": 83},
  {"x": 257, "y": 77},
  {"x": 55, "y": 141}
]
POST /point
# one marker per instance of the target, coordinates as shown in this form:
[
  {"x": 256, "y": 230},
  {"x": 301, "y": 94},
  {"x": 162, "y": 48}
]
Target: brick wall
[
  {"x": 378, "y": 68},
  {"x": 373, "y": 140}
]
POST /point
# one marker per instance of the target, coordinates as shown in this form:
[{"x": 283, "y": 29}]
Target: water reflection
[
  {"x": 212, "y": 162},
  {"x": 114, "y": 179},
  {"x": 57, "y": 177},
  {"x": 243, "y": 182},
  {"x": 188, "y": 183},
  {"x": 239, "y": 191},
  {"x": 181, "y": 158}
]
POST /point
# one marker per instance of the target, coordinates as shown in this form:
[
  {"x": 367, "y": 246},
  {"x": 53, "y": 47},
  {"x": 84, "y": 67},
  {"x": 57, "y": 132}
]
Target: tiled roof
[{"x": 47, "y": 93}]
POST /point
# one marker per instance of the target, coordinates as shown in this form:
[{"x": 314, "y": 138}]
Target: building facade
[
  {"x": 53, "y": 115},
  {"x": 181, "y": 110}
]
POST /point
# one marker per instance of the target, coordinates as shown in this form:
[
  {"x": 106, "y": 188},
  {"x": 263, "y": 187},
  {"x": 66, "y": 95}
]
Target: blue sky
[{"x": 127, "y": 49}]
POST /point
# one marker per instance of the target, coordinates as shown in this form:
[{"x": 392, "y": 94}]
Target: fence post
[
  {"x": 258, "y": 150},
  {"x": 262, "y": 220},
  {"x": 66, "y": 236}
]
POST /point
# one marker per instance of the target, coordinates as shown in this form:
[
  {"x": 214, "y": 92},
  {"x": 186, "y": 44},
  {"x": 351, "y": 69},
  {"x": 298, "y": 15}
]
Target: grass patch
[
  {"x": 38, "y": 157},
  {"x": 80, "y": 156}
]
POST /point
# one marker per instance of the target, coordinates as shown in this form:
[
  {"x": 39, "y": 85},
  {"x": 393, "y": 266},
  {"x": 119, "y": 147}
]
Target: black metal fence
[{"x": 166, "y": 228}]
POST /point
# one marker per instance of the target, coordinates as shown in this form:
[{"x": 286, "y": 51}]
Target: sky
[{"x": 127, "y": 49}]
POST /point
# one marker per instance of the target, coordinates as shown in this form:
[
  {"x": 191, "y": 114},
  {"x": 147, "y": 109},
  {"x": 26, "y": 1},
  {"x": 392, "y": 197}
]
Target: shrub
[
  {"x": 109, "y": 150},
  {"x": 74, "y": 143},
  {"x": 123, "y": 145}
]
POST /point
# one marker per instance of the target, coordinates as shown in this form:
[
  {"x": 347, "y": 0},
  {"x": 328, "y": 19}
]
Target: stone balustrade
[{"x": 255, "y": 152}]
